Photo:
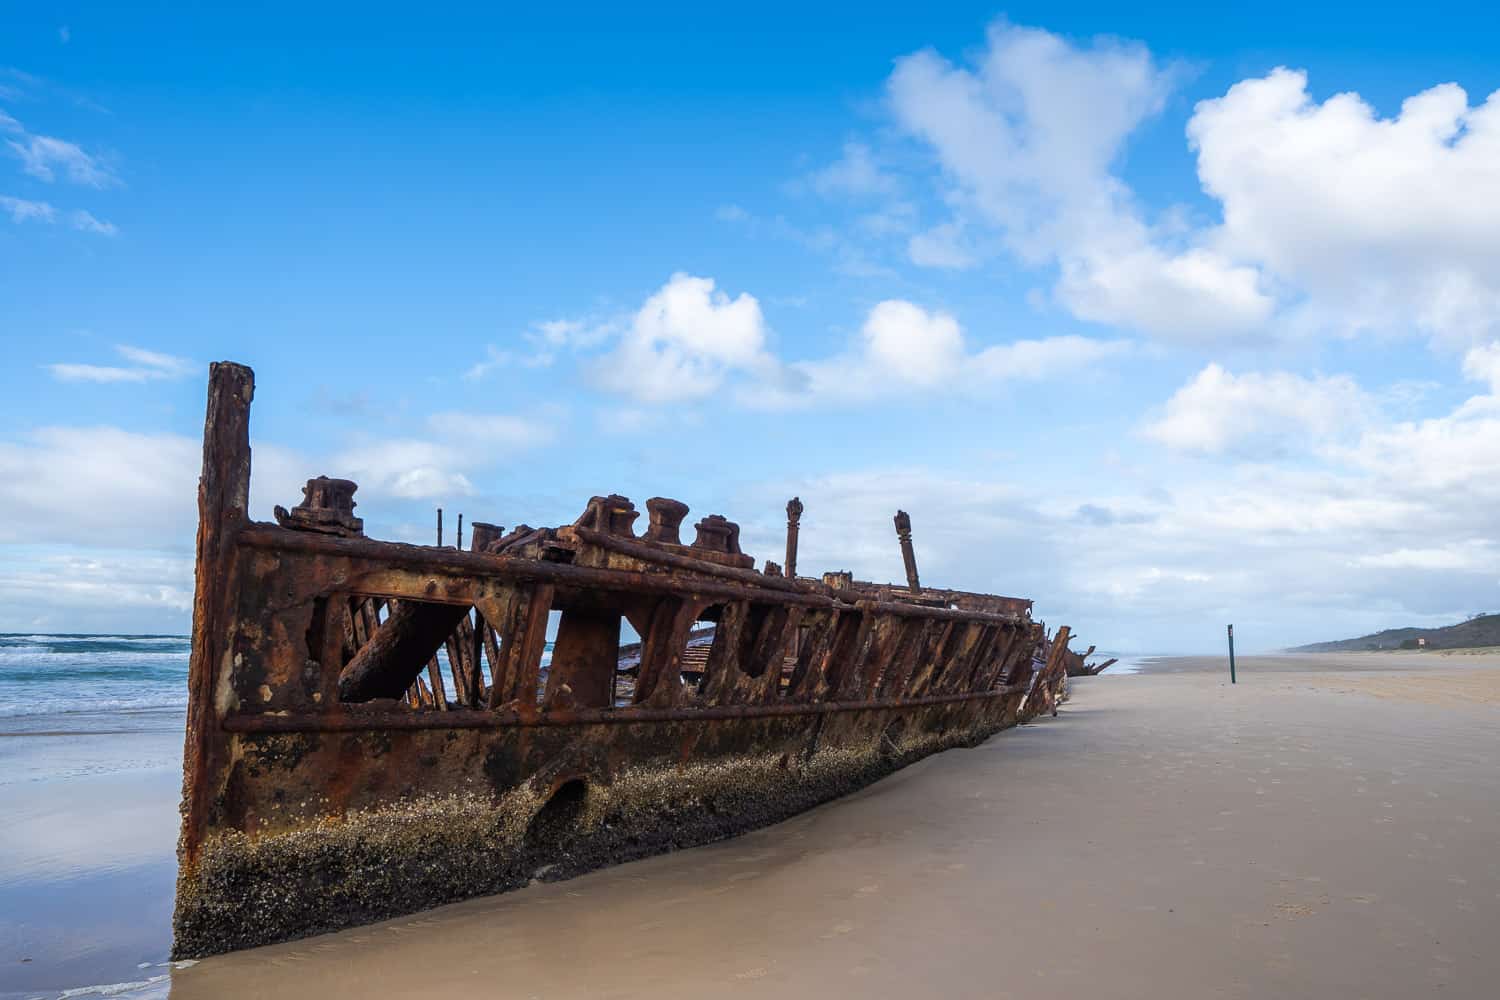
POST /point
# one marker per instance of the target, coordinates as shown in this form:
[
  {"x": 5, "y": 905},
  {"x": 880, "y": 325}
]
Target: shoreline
[{"x": 1146, "y": 826}]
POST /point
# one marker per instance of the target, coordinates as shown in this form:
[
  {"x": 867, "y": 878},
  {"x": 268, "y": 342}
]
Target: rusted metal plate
[{"x": 375, "y": 727}]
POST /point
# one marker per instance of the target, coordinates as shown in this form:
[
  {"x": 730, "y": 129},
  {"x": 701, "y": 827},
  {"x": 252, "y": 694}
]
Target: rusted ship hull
[{"x": 372, "y": 729}]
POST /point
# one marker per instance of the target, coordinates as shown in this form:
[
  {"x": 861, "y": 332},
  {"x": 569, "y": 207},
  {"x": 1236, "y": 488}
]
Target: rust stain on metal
[{"x": 375, "y": 728}]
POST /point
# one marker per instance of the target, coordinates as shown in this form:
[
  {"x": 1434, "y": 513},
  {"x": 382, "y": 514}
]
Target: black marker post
[{"x": 1231, "y": 654}]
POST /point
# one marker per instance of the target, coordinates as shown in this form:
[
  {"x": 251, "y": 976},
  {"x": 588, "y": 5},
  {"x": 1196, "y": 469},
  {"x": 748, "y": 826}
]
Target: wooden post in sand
[{"x": 1231, "y": 654}]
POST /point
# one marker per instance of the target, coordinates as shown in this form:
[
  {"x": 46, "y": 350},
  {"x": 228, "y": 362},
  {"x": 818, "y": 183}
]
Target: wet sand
[{"x": 1311, "y": 832}]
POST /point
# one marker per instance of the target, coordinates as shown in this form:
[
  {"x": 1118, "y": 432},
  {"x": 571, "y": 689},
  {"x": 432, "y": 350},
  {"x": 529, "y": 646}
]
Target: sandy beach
[{"x": 1324, "y": 828}]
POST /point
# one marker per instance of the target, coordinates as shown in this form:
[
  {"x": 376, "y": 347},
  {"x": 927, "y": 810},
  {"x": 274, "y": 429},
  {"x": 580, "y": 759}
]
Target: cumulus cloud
[
  {"x": 146, "y": 366},
  {"x": 408, "y": 469},
  {"x": 1262, "y": 412},
  {"x": 1027, "y": 138},
  {"x": 106, "y": 486},
  {"x": 1383, "y": 223},
  {"x": 683, "y": 343},
  {"x": 97, "y": 525},
  {"x": 906, "y": 342},
  {"x": 441, "y": 464},
  {"x": 1334, "y": 219},
  {"x": 904, "y": 347},
  {"x": 1482, "y": 364},
  {"x": 690, "y": 340}
]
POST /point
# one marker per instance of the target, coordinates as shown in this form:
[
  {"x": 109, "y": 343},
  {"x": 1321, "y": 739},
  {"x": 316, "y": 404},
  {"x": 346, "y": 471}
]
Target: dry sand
[{"x": 1329, "y": 827}]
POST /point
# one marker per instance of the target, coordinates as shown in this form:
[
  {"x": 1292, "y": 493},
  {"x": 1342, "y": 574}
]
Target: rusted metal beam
[
  {"x": 223, "y": 502},
  {"x": 354, "y": 719},
  {"x": 391, "y": 658}
]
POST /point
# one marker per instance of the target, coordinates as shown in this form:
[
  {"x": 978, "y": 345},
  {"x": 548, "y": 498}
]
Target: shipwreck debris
[{"x": 377, "y": 727}]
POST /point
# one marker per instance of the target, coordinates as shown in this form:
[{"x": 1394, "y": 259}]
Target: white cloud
[
  {"x": 544, "y": 341},
  {"x": 98, "y": 484},
  {"x": 1383, "y": 223},
  {"x": 97, "y": 525},
  {"x": 441, "y": 465},
  {"x": 690, "y": 341},
  {"x": 1027, "y": 139},
  {"x": 685, "y": 341},
  {"x": 904, "y": 347},
  {"x": 1482, "y": 364},
  {"x": 44, "y": 157},
  {"x": 854, "y": 174},
  {"x": 1470, "y": 554},
  {"x": 905, "y": 342},
  {"x": 148, "y": 366},
  {"x": 1335, "y": 220},
  {"x": 1045, "y": 358},
  {"x": 86, "y": 222},
  {"x": 941, "y": 246},
  {"x": 409, "y": 469},
  {"x": 1164, "y": 557},
  {"x": 491, "y": 430},
  {"x": 1458, "y": 453},
  {"x": 22, "y": 210},
  {"x": 107, "y": 486},
  {"x": 495, "y": 358},
  {"x": 1261, "y": 412}
]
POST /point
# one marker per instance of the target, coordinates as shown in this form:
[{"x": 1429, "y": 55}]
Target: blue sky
[{"x": 1162, "y": 319}]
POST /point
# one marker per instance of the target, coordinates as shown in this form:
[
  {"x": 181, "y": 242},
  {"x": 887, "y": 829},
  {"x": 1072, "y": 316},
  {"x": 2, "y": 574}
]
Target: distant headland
[{"x": 1479, "y": 631}]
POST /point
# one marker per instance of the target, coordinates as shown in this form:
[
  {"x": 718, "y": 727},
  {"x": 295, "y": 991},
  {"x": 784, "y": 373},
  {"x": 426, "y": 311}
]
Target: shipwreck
[{"x": 375, "y": 727}]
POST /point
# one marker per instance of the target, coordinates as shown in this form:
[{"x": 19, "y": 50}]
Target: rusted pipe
[
  {"x": 903, "y": 535},
  {"x": 793, "y": 519}
]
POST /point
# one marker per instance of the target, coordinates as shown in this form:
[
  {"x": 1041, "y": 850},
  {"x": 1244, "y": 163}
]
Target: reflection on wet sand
[{"x": 1167, "y": 836}]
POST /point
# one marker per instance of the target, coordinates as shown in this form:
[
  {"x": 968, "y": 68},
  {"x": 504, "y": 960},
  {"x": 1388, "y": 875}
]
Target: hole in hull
[{"x": 558, "y": 819}]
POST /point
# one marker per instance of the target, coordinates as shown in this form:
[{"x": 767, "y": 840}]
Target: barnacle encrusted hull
[
  {"x": 375, "y": 728},
  {"x": 479, "y": 835}
]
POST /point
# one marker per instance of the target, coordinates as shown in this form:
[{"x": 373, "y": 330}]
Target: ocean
[{"x": 61, "y": 675}]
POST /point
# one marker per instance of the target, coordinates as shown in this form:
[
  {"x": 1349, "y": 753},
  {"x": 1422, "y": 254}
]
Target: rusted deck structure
[{"x": 375, "y": 728}]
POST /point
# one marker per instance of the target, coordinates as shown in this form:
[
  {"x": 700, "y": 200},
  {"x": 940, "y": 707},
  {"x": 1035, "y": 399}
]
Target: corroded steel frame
[{"x": 305, "y": 811}]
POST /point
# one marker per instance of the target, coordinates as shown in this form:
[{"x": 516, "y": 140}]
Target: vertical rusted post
[
  {"x": 223, "y": 499},
  {"x": 458, "y": 539},
  {"x": 1231, "y": 654},
  {"x": 440, "y": 527},
  {"x": 903, "y": 535},
  {"x": 793, "y": 519}
]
